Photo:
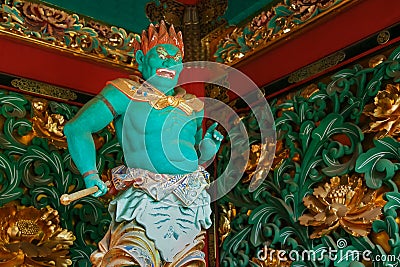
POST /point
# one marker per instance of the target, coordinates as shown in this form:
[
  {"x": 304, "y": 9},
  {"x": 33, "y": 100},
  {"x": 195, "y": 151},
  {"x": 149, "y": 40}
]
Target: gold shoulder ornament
[{"x": 140, "y": 90}]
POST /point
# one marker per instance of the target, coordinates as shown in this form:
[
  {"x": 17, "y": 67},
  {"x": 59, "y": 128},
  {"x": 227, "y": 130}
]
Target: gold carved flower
[
  {"x": 384, "y": 113},
  {"x": 32, "y": 237},
  {"x": 344, "y": 202},
  {"x": 47, "y": 19}
]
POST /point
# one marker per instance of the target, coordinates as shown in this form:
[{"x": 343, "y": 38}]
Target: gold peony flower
[
  {"x": 343, "y": 202},
  {"x": 47, "y": 19},
  {"x": 384, "y": 113},
  {"x": 32, "y": 237}
]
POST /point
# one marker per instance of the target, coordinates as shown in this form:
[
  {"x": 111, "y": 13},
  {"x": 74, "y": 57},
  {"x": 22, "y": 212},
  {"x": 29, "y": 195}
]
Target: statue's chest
[{"x": 145, "y": 119}]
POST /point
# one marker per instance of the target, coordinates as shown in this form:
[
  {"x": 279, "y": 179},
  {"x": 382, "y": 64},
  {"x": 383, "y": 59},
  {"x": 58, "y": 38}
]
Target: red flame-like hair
[{"x": 158, "y": 34}]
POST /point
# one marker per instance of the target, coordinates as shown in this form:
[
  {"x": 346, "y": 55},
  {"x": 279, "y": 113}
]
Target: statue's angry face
[{"x": 161, "y": 66}]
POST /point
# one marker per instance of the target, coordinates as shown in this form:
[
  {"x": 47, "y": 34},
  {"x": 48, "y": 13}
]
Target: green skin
[{"x": 162, "y": 141}]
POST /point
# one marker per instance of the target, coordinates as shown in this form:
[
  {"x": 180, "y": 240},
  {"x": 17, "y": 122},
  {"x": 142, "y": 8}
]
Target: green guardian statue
[{"x": 161, "y": 209}]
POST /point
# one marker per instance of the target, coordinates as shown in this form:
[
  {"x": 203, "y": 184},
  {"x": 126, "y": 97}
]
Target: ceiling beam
[{"x": 325, "y": 37}]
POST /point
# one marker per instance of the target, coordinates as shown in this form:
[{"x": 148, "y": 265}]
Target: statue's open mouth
[{"x": 170, "y": 74}]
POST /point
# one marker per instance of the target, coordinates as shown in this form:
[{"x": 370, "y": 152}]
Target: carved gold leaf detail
[
  {"x": 48, "y": 125},
  {"x": 376, "y": 60},
  {"x": 228, "y": 213},
  {"x": 43, "y": 18},
  {"x": 255, "y": 156}
]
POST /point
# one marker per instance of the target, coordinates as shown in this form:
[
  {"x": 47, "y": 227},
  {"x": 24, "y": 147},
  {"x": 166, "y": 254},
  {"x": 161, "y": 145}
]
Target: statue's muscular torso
[{"x": 161, "y": 141}]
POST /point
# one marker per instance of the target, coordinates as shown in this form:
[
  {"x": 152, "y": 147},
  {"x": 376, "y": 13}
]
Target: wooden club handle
[{"x": 66, "y": 199}]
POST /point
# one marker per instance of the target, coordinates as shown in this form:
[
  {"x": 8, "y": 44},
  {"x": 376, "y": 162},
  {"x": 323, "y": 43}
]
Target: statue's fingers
[
  {"x": 217, "y": 135},
  {"x": 212, "y": 127},
  {"x": 102, "y": 189},
  {"x": 97, "y": 194}
]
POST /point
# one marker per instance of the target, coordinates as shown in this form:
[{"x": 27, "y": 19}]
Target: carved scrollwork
[
  {"x": 331, "y": 181},
  {"x": 270, "y": 26},
  {"x": 316, "y": 67},
  {"x": 43, "y": 89},
  {"x": 228, "y": 213},
  {"x": 68, "y": 32},
  {"x": 35, "y": 172}
]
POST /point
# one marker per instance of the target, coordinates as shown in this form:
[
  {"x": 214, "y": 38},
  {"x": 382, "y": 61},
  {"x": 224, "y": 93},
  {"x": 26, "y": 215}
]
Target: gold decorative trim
[
  {"x": 67, "y": 32},
  {"x": 269, "y": 27},
  {"x": 316, "y": 67},
  {"x": 210, "y": 41},
  {"x": 383, "y": 37},
  {"x": 43, "y": 89},
  {"x": 218, "y": 90}
]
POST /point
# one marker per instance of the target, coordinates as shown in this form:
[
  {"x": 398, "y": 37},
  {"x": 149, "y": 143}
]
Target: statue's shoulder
[
  {"x": 191, "y": 100},
  {"x": 125, "y": 85}
]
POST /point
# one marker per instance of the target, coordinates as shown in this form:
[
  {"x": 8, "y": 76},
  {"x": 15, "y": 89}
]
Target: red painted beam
[
  {"x": 54, "y": 67},
  {"x": 321, "y": 39},
  {"x": 62, "y": 69}
]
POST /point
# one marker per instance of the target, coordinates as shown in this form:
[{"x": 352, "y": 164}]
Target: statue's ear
[{"x": 139, "y": 59}]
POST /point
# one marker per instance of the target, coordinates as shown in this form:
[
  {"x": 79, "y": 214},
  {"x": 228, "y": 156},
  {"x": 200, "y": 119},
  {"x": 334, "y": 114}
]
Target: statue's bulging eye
[
  {"x": 163, "y": 54},
  {"x": 178, "y": 56}
]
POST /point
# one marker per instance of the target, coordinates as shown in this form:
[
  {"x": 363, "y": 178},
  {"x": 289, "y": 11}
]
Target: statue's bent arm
[{"x": 93, "y": 117}]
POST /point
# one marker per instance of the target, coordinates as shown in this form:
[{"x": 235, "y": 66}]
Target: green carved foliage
[
  {"x": 320, "y": 136},
  {"x": 379, "y": 164},
  {"x": 33, "y": 172}
]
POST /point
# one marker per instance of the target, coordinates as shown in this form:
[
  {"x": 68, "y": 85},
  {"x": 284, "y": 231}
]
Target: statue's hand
[
  {"x": 94, "y": 180},
  {"x": 210, "y": 143}
]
